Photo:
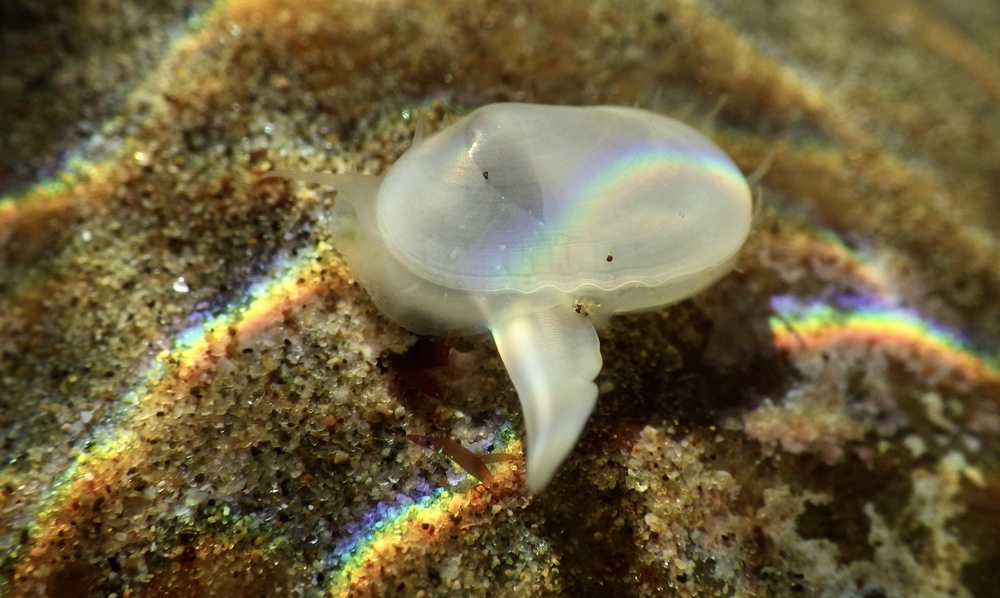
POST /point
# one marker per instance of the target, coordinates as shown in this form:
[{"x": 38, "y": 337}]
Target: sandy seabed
[{"x": 197, "y": 399}]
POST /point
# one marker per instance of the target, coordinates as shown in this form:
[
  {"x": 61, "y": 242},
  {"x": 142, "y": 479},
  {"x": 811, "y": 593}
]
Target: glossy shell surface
[
  {"x": 520, "y": 197},
  {"x": 516, "y": 216}
]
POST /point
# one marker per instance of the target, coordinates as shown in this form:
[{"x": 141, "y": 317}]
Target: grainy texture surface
[{"x": 196, "y": 399}]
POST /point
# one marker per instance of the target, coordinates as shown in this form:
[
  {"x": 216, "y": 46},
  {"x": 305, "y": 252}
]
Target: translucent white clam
[{"x": 519, "y": 217}]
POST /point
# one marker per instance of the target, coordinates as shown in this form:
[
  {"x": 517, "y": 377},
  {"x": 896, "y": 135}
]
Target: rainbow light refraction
[
  {"x": 193, "y": 351},
  {"x": 858, "y": 319},
  {"x": 388, "y": 530},
  {"x": 641, "y": 164},
  {"x": 586, "y": 204}
]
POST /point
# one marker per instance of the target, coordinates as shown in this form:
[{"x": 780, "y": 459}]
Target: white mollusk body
[
  {"x": 620, "y": 205},
  {"x": 506, "y": 219}
]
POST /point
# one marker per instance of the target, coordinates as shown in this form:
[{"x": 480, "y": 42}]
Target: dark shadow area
[{"x": 66, "y": 68}]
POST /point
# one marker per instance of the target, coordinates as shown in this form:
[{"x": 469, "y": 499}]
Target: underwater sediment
[{"x": 196, "y": 397}]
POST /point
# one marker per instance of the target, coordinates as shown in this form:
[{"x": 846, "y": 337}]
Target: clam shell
[
  {"x": 523, "y": 197},
  {"x": 519, "y": 213}
]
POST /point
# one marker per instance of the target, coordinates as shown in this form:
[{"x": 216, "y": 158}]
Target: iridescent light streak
[
  {"x": 53, "y": 194},
  {"x": 388, "y": 530},
  {"x": 827, "y": 247},
  {"x": 824, "y": 254},
  {"x": 639, "y": 165},
  {"x": 80, "y": 180},
  {"x": 584, "y": 203},
  {"x": 864, "y": 320},
  {"x": 193, "y": 352},
  {"x": 86, "y": 159}
]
